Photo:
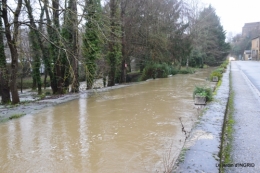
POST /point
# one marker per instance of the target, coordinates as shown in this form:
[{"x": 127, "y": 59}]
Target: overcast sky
[{"x": 235, "y": 13}]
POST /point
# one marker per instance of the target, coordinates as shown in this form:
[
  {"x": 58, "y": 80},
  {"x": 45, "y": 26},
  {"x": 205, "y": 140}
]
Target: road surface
[{"x": 245, "y": 78}]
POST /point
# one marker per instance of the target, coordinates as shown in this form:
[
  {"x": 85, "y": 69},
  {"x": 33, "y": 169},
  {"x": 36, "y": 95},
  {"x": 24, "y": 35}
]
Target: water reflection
[{"x": 132, "y": 129}]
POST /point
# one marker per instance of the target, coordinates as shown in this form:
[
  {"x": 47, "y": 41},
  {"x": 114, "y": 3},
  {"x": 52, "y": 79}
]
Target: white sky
[{"x": 235, "y": 13}]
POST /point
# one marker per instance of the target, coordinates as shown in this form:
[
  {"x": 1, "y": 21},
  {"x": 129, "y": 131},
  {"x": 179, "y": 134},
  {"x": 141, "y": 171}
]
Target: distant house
[
  {"x": 255, "y": 48},
  {"x": 247, "y": 55}
]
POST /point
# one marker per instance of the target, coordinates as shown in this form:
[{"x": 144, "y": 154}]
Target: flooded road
[{"x": 131, "y": 129}]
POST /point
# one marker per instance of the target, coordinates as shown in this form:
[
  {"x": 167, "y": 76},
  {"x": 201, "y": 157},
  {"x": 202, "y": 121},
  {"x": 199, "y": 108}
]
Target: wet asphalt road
[{"x": 246, "y": 143}]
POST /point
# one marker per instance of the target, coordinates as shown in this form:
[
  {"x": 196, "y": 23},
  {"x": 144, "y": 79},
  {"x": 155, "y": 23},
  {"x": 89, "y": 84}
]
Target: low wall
[{"x": 203, "y": 145}]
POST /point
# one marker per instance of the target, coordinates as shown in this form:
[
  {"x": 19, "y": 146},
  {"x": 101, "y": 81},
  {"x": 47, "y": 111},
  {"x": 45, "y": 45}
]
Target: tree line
[{"x": 104, "y": 37}]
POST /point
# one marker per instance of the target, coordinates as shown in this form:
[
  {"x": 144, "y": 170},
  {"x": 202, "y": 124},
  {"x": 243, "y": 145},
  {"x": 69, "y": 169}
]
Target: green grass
[
  {"x": 15, "y": 116},
  {"x": 217, "y": 87},
  {"x": 228, "y": 131},
  {"x": 182, "y": 155}
]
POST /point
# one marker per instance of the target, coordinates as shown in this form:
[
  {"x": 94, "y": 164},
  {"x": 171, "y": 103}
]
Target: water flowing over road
[{"x": 130, "y": 129}]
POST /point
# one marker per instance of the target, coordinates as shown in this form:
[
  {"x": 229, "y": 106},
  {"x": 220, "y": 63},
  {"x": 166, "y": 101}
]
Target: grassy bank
[{"x": 14, "y": 116}]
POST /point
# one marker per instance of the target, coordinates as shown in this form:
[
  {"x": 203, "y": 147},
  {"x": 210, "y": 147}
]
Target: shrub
[
  {"x": 47, "y": 93},
  {"x": 154, "y": 70},
  {"x": 133, "y": 76},
  {"x": 224, "y": 64},
  {"x": 217, "y": 73},
  {"x": 42, "y": 96},
  {"x": 220, "y": 69},
  {"x": 173, "y": 70},
  {"x": 186, "y": 71},
  {"x": 202, "y": 91}
]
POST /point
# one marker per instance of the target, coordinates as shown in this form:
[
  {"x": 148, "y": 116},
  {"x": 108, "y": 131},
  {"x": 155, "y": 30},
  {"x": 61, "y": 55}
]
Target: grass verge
[
  {"x": 14, "y": 116},
  {"x": 227, "y": 134}
]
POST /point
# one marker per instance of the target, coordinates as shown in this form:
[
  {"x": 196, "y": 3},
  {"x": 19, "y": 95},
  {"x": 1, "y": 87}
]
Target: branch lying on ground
[{"x": 183, "y": 130}]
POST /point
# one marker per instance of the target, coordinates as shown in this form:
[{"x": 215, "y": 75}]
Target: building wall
[
  {"x": 255, "y": 48},
  {"x": 247, "y": 55}
]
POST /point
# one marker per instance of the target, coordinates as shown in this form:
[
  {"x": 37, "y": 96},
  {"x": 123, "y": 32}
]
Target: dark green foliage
[
  {"x": 155, "y": 70},
  {"x": 180, "y": 44},
  {"x": 173, "y": 70},
  {"x": 202, "y": 91},
  {"x": 196, "y": 59},
  {"x": 91, "y": 40}
]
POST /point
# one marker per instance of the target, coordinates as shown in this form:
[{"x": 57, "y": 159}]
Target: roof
[
  {"x": 251, "y": 24},
  {"x": 255, "y": 37}
]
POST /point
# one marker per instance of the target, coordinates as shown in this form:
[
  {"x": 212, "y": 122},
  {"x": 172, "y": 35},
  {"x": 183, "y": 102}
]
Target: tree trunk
[
  {"x": 34, "y": 82},
  {"x": 74, "y": 48},
  {"x": 12, "y": 46},
  {"x": 55, "y": 52},
  {"x": 4, "y": 75},
  {"x": 35, "y": 46},
  {"x": 111, "y": 76},
  {"x": 123, "y": 62},
  {"x": 45, "y": 78},
  {"x": 4, "y": 88},
  {"x": 114, "y": 43}
]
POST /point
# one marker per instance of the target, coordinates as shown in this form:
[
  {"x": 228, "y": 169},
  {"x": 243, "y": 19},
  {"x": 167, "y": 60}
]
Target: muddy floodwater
[{"x": 130, "y": 129}]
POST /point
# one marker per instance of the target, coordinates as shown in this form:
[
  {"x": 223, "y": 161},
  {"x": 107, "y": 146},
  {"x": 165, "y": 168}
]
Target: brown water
[{"x": 131, "y": 129}]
